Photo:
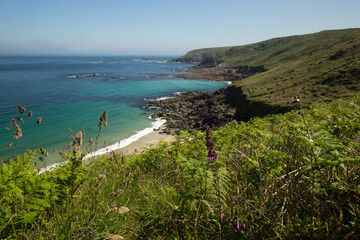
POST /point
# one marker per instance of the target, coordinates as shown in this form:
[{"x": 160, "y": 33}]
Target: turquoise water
[{"x": 48, "y": 87}]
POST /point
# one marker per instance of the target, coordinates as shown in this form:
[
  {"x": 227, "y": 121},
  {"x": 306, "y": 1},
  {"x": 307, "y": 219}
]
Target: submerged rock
[{"x": 87, "y": 75}]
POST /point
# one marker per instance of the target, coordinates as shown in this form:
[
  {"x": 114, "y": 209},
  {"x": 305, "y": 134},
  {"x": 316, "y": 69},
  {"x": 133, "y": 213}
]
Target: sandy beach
[{"x": 148, "y": 141}]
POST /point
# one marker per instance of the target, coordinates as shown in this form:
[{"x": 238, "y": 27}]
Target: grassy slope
[
  {"x": 324, "y": 64},
  {"x": 282, "y": 177},
  {"x": 279, "y": 179},
  {"x": 198, "y": 55}
]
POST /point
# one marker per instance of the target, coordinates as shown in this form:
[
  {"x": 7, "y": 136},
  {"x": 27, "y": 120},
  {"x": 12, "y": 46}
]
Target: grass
[
  {"x": 286, "y": 176},
  {"x": 320, "y": 66}
]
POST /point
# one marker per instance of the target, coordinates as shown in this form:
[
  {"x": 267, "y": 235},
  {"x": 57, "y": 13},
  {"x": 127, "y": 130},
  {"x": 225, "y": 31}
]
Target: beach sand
[{"x": 150, "y": 140}]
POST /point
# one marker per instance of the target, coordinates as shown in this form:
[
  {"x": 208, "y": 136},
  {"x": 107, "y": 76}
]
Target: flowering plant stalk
[
  {"x": 212, "y": 156},
  {"x": 300, "y": 112}
]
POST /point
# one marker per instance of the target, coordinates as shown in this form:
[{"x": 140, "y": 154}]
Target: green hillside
[
  {"x": 284, "y": 176},
  {"x": 290, "y": 176},
  {"x": 320, "y": 66},
  {"x": 198, "y": 55}
]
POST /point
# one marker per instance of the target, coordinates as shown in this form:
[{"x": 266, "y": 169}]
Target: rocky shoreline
[{"x": 193, "y": 110}]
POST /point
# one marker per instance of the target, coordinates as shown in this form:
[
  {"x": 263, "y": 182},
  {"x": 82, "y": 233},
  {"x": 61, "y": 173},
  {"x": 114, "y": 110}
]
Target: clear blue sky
[{"x": 160, "y": 27}]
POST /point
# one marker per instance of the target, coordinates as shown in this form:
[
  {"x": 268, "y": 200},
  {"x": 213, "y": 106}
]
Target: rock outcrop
[{"x": 193, "y": 110}]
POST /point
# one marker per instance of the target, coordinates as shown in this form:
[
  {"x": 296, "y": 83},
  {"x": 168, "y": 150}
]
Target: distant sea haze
[{"x": 72, "y": 92}]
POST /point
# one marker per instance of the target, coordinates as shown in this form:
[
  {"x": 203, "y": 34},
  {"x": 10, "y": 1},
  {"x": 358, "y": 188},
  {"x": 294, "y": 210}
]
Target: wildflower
[
  {"x": 63, "y": 155},
  {"x": 239, "y": 225},
  {"x": 242, "y": 226},
  {"x": 114, "y": 157},
  {"x": 21, "y": 109},
  {"x": 299, "y": 112},
  {"x": 18, "y": 133},
  {"x": 12, "y": 122},
  {"x": 114, "y": 237},
  {"x": 103, "y": 118},
  {"x": 20, "y": 120},
  {"x": 222, "y": 217},
  {"x": 43, "y": 152},
  {"x": 291, "y": 103},
  {"x": 215, "y": 156},
  {"x": 104, "y": 115},
  {"x": 209, "y": 144},
  {"x": 123, "y": 210},
  {"x": 91, "y": 233},
  {"x": 210, "y": 154},
  {"x": 78, "y": 138},
  {"x": 114, "y": 209},
  {"x": 39, "y": 120},
  {"x": 101, "y": 177}
]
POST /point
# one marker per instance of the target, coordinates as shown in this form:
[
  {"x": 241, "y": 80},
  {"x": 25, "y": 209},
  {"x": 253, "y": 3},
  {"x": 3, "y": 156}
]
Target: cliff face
[
  {"x": 319, "y": 66},
  {"x": 199, "y": 55},
  {"x": 246, "y": 109},
  {"x": 266, "y": 76}
]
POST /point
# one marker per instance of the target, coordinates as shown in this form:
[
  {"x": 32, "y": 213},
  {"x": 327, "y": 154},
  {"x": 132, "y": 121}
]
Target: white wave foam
[
  {"x": 71, "y": 76},
  {"x": 125, "y": 142},
  {"x": 96, "y": 62},
  {"x": 162, "y": 98},
  {"x": 178, "y": 93},
  {"x": 50, "y": 167}
]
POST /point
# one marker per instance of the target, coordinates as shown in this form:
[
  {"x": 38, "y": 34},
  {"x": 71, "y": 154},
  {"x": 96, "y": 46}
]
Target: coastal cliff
[{"x": 266, "y": 75}]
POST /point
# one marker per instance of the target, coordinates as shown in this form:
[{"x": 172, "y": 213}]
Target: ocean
[{"x": 72, "y": 92}]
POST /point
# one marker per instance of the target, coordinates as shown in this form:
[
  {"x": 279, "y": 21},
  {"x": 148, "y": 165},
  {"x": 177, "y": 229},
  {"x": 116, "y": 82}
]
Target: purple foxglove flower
[
  {"x": 237, "y": 226},
  {"x": 210, "y": 154},
  {"x": 242, "y": 225},
  {"x": 222, "y": 217},
  {"x": 291, "y": 103},
  {"x": 299, "y": 112},
  {"x": 209, "y": 144},
  {"x": 114, "y": 156}
]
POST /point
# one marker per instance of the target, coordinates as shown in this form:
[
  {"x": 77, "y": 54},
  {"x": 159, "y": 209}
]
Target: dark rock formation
[
  {"x": 88, "y": 75},
  {"x": 208, "y": 62},
  {"x": 193, "y": 110}
]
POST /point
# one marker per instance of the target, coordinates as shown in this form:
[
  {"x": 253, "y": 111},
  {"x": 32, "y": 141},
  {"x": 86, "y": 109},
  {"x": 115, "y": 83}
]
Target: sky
[{"x": 160, "y": 27}]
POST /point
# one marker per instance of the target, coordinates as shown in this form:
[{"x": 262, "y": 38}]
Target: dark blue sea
[{"x": 48, "y": 86}]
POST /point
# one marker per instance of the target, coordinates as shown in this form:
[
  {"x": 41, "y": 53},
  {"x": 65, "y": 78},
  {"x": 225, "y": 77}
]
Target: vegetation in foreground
[{"x": 286, "y": 176}]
